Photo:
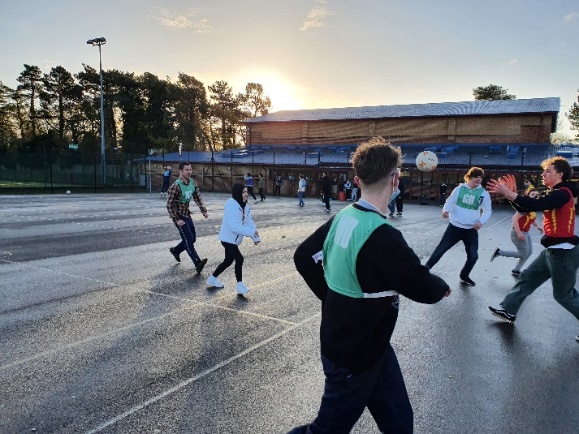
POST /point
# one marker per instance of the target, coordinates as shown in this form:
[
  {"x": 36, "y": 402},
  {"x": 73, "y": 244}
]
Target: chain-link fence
[{"x": 49, "y": 172}]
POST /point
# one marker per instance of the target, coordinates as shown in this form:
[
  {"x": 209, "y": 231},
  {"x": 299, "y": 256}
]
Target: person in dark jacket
[
  {"x": 357, "y": 264},
  {"x": 326, "y": 191},
  {"x": 560, "y": 259}
]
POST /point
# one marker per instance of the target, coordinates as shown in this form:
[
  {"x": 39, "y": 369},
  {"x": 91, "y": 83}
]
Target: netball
[{"x": 426, "y": 161}]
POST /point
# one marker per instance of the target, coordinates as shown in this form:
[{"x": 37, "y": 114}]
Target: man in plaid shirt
[{"x": 179, "y": 196}]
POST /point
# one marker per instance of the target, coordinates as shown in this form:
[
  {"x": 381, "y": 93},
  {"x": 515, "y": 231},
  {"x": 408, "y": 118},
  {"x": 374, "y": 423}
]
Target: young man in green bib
[
  {"x": 357, "y": 264},
  {"x": 463, "y": 207},
  {"x": 179, "y": 196}
]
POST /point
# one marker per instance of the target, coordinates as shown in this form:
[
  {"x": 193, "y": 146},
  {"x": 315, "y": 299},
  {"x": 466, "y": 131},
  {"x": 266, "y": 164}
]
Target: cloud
[
  {"x": 316, "y": 16},
  {"x": 177, "y": 20},
  {"x": 572, "y": 16},
  {"x": 513, "y": 61}
]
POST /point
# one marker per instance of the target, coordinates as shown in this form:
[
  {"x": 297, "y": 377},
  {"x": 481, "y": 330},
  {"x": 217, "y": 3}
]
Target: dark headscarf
[{"x": 237, "y": 194}]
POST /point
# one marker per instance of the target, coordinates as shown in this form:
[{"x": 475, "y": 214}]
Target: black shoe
[
  {"x": 175, "y": 255},
  {"x": 200, "y": 265},
  {"x": 516, "y": 273},
  {"x": 467, "y": 281},
  {"x": 399, "y": 213},
  {"x": 495, "y": 254},
  {"x": 391, "y": 214},
  {"x": 503, "y": 314}
]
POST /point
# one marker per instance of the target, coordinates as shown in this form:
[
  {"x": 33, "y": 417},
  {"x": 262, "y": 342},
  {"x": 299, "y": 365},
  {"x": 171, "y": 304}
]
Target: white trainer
[
  {"x": 241, "y": 288},
  {"x": 212, "y": 281}
]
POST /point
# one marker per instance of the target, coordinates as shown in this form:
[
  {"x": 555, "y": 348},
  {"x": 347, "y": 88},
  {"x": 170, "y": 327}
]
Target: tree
[
  {"x": 573, "y": 116},
  {"x": 491, "y": 92},
  {"x": 30, "y": 81},
  {"x": 7, "y": 117},
  {"x": 190, "y": 114},
  {"x": 225, "y": 112},
  {"x": 59, "y": 97},
  {"x": 255, "y": 103}
]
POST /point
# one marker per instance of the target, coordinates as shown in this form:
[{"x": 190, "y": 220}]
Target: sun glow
[{"x": 283, "y": 94}]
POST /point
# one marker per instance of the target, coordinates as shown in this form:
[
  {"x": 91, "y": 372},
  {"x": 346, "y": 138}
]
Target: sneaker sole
[
  {"x": 467, "y": 283},
  {"x": 498, "y": 315}
]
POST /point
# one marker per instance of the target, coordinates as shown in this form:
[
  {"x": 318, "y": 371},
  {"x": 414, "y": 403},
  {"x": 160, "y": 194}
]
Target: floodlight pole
[{"x": 100, "y": 42}]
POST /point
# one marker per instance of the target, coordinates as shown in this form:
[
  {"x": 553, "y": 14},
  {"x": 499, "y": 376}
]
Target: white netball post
[{"x": 426, "y": 161}]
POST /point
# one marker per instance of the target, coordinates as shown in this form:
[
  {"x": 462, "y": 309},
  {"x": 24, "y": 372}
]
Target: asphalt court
[{"x": 102, "y": 331}]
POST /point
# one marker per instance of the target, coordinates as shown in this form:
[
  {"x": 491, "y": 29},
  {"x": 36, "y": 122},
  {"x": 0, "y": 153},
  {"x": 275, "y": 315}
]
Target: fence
[{"x": 45, "y": 172}]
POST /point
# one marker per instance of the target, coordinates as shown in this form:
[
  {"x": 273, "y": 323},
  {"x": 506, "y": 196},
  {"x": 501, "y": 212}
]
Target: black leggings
[{"x": 232, "y": 253}]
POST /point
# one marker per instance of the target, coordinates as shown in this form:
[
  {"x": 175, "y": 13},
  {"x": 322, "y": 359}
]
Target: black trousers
[{"x": 232, "y": 253}]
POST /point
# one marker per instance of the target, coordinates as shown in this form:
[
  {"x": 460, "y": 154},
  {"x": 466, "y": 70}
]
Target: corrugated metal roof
[{"x": 464, "y": 108}]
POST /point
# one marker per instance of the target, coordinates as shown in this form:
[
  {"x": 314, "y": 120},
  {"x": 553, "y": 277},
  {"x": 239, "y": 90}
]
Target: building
[{"x": 510, "y": 136}]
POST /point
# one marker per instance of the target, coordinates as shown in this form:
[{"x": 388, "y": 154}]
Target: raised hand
[{"x": 510, "y": 182}]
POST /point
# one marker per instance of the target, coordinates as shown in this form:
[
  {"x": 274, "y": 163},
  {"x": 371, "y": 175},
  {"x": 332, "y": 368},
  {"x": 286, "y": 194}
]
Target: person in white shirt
[
  {"x": 463, "y": 207},
  {"x": 237, "y": 224},
  {"x": 301, "y": 190}
]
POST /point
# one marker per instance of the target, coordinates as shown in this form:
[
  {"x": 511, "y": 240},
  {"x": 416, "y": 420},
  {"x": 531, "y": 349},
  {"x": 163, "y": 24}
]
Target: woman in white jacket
[{"x": 237, "y": 224}]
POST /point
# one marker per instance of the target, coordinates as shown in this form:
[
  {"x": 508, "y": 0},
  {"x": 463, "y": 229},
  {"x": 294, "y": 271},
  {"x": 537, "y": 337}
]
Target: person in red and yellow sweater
[
  {"x": 522, "y": 222},
  {"x": 560, "y": 259}
]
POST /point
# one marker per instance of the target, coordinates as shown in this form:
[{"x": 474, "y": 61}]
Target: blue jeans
[
  {"x": 188, "y": 238},
  {"x": 301, "y": 198},
  {"x": 451, "y": 236},
  {"x": 560, "y": 266},
  {"x": 347, "y": 394}
]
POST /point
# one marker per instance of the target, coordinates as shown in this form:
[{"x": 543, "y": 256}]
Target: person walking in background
[
  {"x": 249, "y": 184},
  {"x": 166, "y": 180},
  {"x": 261, "y": 186},
  {"x": 443, "y": 188},
  {"x": 463, "y": 207},
  {"x": 348, "y": 187},
  {"x": 237, "y": 223},
  {"x": 278, "y": 184},
  {"x": 400, "y": 197},
  {"x": 392, "y": 208},
  {"x": 357, "y": 264},
  {"x": 179, "y": 195},
  {"x": 326, "y": 191},
  {"x": 301, "y": 190},
  {"x": 522, "y": 222},
  {"x": 354, "y": 196},
  {"x": 559, "y": 260}
]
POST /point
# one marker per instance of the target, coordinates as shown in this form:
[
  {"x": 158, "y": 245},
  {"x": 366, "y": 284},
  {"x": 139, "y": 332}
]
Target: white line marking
[{"x": 197, "y": 377}]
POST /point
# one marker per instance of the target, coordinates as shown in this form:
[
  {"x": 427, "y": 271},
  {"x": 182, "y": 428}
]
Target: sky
[{"x": 311, "y": 53}]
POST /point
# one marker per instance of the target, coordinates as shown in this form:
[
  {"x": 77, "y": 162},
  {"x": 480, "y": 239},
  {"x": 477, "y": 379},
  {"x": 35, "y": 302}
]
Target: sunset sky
[{"x": 311, "y": 53}]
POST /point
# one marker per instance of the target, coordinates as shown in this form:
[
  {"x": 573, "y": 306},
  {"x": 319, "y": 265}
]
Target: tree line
[{"x": 50, "y": 111}]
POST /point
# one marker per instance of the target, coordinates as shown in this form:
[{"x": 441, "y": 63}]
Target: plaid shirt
[{"x": 176, "y": 208}]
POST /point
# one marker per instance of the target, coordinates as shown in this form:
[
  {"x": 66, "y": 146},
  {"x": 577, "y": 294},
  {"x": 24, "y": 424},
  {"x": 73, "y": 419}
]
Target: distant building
[{"x": 508, "y": 136}]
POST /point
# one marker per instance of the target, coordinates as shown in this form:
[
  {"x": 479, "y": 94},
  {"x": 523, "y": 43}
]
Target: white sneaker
[
  {"x": 241, "y": 288},
  {"x": 212, "y": 281}
]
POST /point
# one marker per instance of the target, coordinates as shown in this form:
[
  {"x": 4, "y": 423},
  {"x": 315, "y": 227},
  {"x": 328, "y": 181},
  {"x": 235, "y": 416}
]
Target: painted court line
[
  {"x": 199, "y": 376},
  {"x": 191, "y": 304}
]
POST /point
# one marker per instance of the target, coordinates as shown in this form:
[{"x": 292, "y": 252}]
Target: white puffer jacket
[{"x": 237, "y": 223}]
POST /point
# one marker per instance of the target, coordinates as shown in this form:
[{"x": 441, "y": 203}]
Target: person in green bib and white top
[
  {"x": 468, "y": 207},
  {"x": 179, "y": 196}
]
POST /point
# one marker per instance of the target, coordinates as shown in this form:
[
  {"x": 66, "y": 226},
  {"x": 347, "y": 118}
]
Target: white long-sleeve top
[
  {"x": 463, "y": 215},
  {"x": 237, "y": 223}
]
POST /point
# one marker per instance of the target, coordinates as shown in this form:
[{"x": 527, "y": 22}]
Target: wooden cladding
[{"x": 531, "y": 128}]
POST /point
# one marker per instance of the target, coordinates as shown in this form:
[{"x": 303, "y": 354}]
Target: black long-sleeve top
[{"x": 356, "y": 331}]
